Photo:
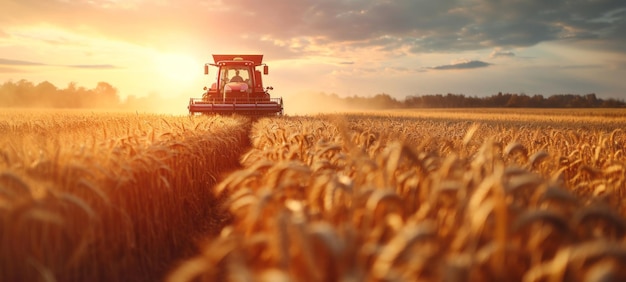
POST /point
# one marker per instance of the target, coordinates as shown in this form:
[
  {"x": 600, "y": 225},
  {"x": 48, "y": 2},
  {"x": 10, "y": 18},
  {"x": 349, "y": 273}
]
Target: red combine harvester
[{"x": 238, "y": 89}]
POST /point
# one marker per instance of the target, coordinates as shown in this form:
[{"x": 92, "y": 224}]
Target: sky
[{"x": 347, "y": 47}]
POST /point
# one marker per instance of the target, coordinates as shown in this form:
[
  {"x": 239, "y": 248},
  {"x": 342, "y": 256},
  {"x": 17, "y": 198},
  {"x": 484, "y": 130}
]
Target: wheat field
[
  {"x": 429, "y": 195},
  {"x": 109, "y": 197}
]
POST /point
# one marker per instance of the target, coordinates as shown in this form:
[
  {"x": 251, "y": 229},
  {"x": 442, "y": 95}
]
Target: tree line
[
  {"x": 500, "y": 100},
  {"x": 513, "y": 100},
  {"x": 24, "y": 93}
]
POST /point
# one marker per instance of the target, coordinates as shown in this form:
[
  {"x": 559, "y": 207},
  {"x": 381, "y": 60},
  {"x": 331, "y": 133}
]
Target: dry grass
[
  {"x": 424, "y": 197},
  {"x": 109, "y": 197},
  {"x": 432, "y": 195}
]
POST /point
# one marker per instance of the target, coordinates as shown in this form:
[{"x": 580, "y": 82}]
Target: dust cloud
[
  {"x": 309, "y": 103},
  {"x": 156, "y": 104},
  {"x": 302, "y": 103}
]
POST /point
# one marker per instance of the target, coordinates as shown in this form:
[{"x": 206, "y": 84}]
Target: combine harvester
[{"x": 238, "y": 89}]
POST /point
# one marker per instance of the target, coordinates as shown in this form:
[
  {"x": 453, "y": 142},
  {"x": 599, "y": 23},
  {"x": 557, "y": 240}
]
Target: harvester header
[
  {"x": 256, "y": 59},
  {"x": 237, "y": 89}
]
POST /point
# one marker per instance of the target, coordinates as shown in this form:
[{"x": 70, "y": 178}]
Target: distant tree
[
  {"x": 26, "y": 93},
  {"x": 45, "y": 94},
  {"x": 385, "y": 101},
  {"x": 537, "y": 101},
  {"x": 7, "y": 94},
  {"x": 106, "y": 95},
  {"x": 613, "y": 103},
  {"x": 592, "y": 100},
  {"x": 514, "y": 101}
]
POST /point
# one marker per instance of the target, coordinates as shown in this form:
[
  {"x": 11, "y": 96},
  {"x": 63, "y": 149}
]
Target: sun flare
[{"x": 177, "y": 68}]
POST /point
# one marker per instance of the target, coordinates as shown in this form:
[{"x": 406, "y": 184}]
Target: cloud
[
  {"x": 440, "y": 26},
  {"x": 498, "y": 54},
  {"x": 463, "y": 65},
  {"x": 618, "y": 64},
  {"x": 9, "y": 62},
  {"x": 93, "y": 66},
  {"x": 589, "y": 66},
  {"x": 291, "y": 29}
]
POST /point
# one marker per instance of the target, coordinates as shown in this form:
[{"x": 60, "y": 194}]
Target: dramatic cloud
[
  {"x": 312, "y": 27},
  {"x": 451, "y": 26},
  {"x": 346, "y": 46},
  {"x": 463, "y": 65}
]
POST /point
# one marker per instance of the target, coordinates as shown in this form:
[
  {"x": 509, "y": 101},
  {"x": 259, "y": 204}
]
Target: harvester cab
[{"x": 237, "y": 89}]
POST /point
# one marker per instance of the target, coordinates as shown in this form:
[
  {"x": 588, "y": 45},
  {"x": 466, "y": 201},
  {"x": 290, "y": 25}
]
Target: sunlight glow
[
  {"x": 177, "y": 68},
  {"x": 133, "y": 69},
  {"x": 159, "y": 47}
]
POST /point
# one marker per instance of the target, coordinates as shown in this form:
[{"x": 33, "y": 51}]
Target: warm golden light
[
  {"x": 357, "y": 48},
  {"x": 177, "y": 69}
]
